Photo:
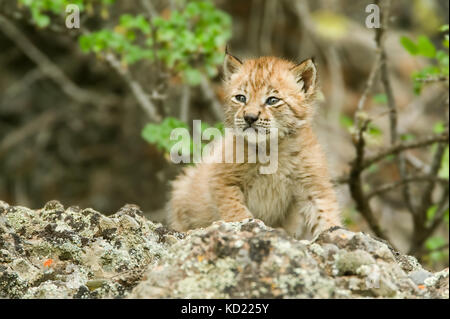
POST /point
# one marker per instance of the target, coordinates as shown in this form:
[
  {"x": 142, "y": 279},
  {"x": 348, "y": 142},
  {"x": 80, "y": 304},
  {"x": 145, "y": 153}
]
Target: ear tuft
[
  {"x": 306, "y": 75},
  {"x": 231, "y": 64}
]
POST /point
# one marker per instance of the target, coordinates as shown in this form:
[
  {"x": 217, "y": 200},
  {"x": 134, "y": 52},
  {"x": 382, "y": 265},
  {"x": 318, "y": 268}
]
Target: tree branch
[
  {"x": 45, "y": 64},
  {"x": 404, "y": 146}
]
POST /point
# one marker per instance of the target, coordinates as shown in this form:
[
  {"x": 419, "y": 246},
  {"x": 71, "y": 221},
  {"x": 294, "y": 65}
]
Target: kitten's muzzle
[{"x": 251, "y": 118}]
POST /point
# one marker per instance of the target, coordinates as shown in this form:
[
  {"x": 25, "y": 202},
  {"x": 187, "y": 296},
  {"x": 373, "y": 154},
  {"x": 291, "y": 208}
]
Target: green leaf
[
  {"x": 438, "y": 128},
  {"x": 444, "y": 170},
  {"x": 193, "y": 76},
  {"x": 346, "y": 121},
  {"x": 409, "y": 45},
  {"x": 42, "y": 20},
  {"x": 431, "y": 212},
  {"x": 426, "y": 47},
  {"x": 159, "y": 134},
  {"x": 374, "y": 130},
  {"x": 434, "y": 243}
]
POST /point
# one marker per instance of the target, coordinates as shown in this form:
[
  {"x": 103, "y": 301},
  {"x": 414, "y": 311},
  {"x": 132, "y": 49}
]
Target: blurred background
[{"x": 86, "y": 113}]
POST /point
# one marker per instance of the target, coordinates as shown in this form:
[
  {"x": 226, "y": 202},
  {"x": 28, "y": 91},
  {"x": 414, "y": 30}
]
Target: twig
[
  {"x": 24, "y": 83},
  {"x": 47, "y": 67},
  {"x": 355, "y": 184},
  {"x": 136, "y": 89},
  {"x": 433, "y": 79},
  {"x": 404, "y": 146},
  {"x": 391, "y": 186},
  {"x": 385, "y": 80},
  {"x": 435, "y": 166},
  {"x": 147, "y": 4},
  {"x": 379, "y": 37},
  {"x": 370, "y": 81},
  {"x": 357, "y": 166},
  {"x": 417, "y": 163},
  {"x": 422, "y": 233},
  {"x": 27, "y": 130}
]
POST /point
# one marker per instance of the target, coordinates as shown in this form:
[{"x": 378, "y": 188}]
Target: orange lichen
[{"x": 48, "y": 262}]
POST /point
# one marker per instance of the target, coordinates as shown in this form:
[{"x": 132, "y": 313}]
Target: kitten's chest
[{"x": 268, "y": 196}]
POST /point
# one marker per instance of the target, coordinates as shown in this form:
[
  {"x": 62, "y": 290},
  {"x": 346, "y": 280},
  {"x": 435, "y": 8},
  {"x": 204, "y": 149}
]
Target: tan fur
[{"x": 299, "y": 197}]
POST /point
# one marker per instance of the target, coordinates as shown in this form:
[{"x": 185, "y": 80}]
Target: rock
[
  {"x": 72, "y": 253},
  {"x": 419, "y": 276},
  {"x": 55, "y": 252}
]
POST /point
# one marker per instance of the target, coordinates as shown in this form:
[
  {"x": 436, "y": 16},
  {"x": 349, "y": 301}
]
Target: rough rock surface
[{"x": 73, "y": 253}]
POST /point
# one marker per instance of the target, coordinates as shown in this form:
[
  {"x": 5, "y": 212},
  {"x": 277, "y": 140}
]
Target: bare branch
[
  {"x": 355, "y": 184},
  {"x": 433, "y": 79},
  {"x": 435, "y": 166},
  {"x": 45, "y": 64},
  {"x": 404, "y": 146},
  {"x": 136, "y": 88},
  {"x": 391, "y": 186},
  {"x": 148, "y": 6},
  {"x": 27, "y": 130}
]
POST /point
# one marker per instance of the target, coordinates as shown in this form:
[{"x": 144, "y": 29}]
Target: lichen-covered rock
[
  {"x": 72, "y": 253},
  {"x": 249, "y": 260},
  {"x": 55, "y": 252}
]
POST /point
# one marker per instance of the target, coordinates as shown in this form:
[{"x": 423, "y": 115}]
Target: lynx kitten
[{"x": 266, "y": 92}]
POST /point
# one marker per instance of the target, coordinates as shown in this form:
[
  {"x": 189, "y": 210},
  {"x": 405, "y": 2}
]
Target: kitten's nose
[{"x": 250, "y": 118}]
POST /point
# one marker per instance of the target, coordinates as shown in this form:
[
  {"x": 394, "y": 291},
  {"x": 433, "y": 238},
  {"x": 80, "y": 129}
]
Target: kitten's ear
[
  {"x": 306, "y": 75},
  {"x": 230, "y": 65}
]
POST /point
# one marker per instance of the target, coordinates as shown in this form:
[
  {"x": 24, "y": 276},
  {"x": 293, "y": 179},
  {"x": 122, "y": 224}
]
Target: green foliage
[
  {"x": 159, "y": 134},
  {"x": 438, "y": 128},
  {"x": 40, "y": 9},
  {"x": 123, "y": 40},
  {"x": 431, "y": 212},
  {"x": 373, "y": 132},
  {"x": 444, "y": 170},
  {"x": 433, "y": 246},
  {"x": 346, "y": 121},
  {"x": 425, "y": 48},
  {"x": 190, "y": 42}
]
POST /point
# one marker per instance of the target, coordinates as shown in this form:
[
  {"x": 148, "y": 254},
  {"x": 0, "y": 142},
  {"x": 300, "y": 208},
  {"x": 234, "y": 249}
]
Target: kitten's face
[{"x": 267, "y": 93}]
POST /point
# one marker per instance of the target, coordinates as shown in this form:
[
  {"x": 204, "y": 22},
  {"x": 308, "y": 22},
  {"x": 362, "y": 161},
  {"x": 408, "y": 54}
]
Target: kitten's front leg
[
  {"x": 230, "y": 202},
  {"x": 311, "y": 216},
  {"x": 323, "y": 214}
]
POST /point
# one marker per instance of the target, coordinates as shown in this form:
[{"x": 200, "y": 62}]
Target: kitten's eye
[
  {"x": 241, "y": 98},
  {"x": 272, "y": 100}
]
